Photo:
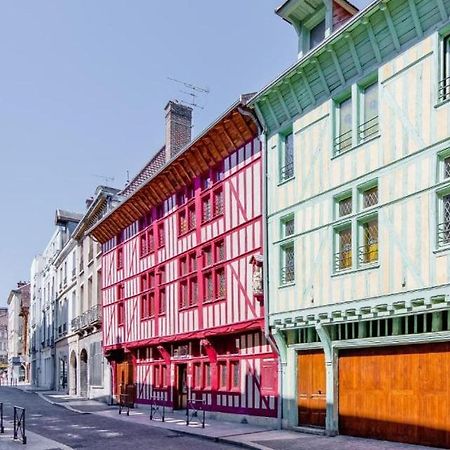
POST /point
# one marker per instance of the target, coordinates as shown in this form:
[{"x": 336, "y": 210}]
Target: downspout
[{"x": 263, "y": 138}]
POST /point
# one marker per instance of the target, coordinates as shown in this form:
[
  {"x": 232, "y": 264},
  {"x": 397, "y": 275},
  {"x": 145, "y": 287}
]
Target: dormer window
[{"x": 317, "y": 34}]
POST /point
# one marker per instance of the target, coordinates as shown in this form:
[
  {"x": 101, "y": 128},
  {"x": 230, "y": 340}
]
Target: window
[
  {"x": 206, "y": 375},
  {"x": 369, "y": 112},
  {"x": 343, "y": 140},
  {"x": 191, "y": 218},
  {"x": 344, "y": 254},
  {"x": 443, "y": 197},
  {"x": 286, "y": 156},
  {"x": 287, "y": 274},
  {"x": 188, "y": 286},
  {"x": 206, "y": 209},
  {"x": 161, "y": 237},
  {"x": 197, "y": 376},
  {"x": 146, "y": 242},
  {"x": 218, "y": 202},
  {"x": 364, "y": 223},
  {"x": 317, "y": 34},
  {"x": 164, "y": 376},
  {"x": 120, "y": 258},
  {"x": 182, "y": 222},
  {"x": 368, "y": 251},
  {"x": 235, "y": 375},
  {"x": 356, "y": 115},
  {"x": 214, "y": 281},
  {"x": 120, "y": 313},
  {"x": 223, "y": 382},
  {"x": 287, "y": 226},
  {"x": 444, "y": 82},
  {"x": 162, "y": 301},
  {"x": 120, "y": 292}
]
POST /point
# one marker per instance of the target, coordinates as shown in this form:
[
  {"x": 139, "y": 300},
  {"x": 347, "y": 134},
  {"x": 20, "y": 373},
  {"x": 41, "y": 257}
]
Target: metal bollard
[
  {"x": 2, "y": 429},
  {"x": 19, "y": 423}
]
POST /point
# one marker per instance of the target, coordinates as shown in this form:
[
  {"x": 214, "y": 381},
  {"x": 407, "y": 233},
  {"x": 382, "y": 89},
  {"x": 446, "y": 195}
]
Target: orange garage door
[{"x": 397, "y": 393}]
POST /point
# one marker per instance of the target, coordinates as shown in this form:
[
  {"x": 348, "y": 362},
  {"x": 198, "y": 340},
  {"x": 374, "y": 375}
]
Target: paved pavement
[{"x": 136, "y": 428}]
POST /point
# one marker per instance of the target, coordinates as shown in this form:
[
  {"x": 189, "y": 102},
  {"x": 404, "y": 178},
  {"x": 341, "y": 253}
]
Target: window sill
[
  {"x": 207, "y": 221},
  {"x": 443, "y": 249},
  {"x": 360, "y": 144},
  {"x": 214, "y": 300},
  {"x": 441, "y": 103},
  {"x": 362, "y": 268},
  {"x": 281, "y": 182},
  {"x": 187, "y": 308},
  {"x": 286, "y": 285}
]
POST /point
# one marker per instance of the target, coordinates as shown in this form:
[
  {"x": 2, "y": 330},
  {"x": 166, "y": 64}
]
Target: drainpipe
[{"x": 281, "y": 359}]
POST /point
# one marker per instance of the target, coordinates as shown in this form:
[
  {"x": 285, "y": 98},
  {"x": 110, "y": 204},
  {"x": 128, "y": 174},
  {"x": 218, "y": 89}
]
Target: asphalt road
[{"x": 89, "y": 431}]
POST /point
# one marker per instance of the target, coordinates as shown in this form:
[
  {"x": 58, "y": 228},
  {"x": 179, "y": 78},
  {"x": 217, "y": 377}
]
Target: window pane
[
  {"x": 206, "y": 209},
  {"x": 317, "y": 35},
  {"x": 369, "y": 126},
  {"x": 288, "y": 269},
  {"x": 344, "y": 257},
  {"x": 220, "y": 251},
  {"x": 444, "y": 227},
  {"x": 345, "y": 206},
  {"x": 344, "y": 135},
  {"x": 369, "y": 251},
  {"x": 288, "y": 227},
  {"x": 220, "y": 283},
  {"x": 207, "y": 375},
  {"x": 447, "y": 167},
  {"x": 370, "y": 197},
  {"x": 207, "y": 255},
  {"x": 235, "y": 375},
  {"x": 287, "y": 160},
  {"x": 444, "y": 84},
  {"x": 223, "y": 376}
]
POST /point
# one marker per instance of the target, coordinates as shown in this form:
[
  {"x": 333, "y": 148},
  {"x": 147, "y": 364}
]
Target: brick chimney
[{"x": 178, "y": 127}]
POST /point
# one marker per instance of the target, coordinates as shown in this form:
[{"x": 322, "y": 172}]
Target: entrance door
[
  {"x": 124, "y": 377},
  {"x": 181, "y": 386},
  {"x": 399, "y": 393},
  {"x": 311, "y": 388}
]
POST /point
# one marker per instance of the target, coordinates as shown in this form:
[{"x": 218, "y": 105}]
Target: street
[{"x": 90, "y": 431}]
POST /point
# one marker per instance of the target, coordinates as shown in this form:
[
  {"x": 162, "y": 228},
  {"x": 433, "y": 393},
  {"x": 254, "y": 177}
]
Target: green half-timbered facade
[{"x": 357, "y": 199}]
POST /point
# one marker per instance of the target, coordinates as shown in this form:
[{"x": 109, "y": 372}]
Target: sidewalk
[{"x": 243, "y": 435}]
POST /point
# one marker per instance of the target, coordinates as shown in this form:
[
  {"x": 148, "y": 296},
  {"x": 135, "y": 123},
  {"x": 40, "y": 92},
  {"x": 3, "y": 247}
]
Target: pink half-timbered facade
[{"x": 182, "y": 306}]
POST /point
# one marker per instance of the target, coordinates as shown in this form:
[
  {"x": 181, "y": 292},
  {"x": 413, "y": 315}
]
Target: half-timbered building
[
  {"x": 357, "y": 141},
  {"x": 183, "y": 309}
]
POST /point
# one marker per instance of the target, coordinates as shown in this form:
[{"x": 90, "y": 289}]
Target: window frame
[
  {"x": 283, "y": 266},
  {"x": 443, "y": 82},
  {"x": 283, "y": 225},
  {"x": 282, "y": 164}
]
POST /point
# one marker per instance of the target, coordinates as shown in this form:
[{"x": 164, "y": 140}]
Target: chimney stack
[{"x": 178, "y": 127}]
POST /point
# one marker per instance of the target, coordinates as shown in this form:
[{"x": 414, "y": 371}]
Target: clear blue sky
[{"x": 83, "y": 85}]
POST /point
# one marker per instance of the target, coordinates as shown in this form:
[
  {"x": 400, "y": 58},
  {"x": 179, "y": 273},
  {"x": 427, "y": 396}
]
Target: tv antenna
[
  {"x": 106, "y": 180},
  {"x": 193, "y": 91}
]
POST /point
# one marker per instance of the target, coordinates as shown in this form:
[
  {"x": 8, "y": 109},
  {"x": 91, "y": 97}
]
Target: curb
[{"x": 60, "y": 404}]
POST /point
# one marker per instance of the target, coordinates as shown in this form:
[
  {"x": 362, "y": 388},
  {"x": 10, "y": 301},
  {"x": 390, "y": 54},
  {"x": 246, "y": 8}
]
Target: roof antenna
[
  {"x": 193, "y": 91},
  {"x": 107, "y": 180}
]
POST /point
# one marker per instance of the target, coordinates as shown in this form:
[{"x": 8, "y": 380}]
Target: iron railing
[
  {"x": 443, "y": 234},
  {"x": 368, "y": 253},
  {"x": 444, "y": 89},
  {"x": 19, "y": 424},
  {"x": 343, "y": 142},
  {"x": 193, "y": 407},
  {"x": 368, "y": 129},
  {"x": 287, "y": 274},
  {"x": 343, "y": 260},
  {"x": 75, "y": 323},
  {"x": 157, "y": 409},
  {"x": 287, "y": 171}
]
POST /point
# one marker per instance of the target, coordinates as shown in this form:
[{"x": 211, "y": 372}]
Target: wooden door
[
  {"x": 397, "y": 393},
  {"x": 181, "y": 386},
  {"x": 124, "y": 377},
  {"x": 311, "y": 388}
]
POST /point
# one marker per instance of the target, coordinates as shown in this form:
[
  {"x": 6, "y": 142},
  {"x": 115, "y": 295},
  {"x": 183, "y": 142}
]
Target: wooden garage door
[
  {"x": 311, "y": 387},
  {"x": 396, "y": 393}
]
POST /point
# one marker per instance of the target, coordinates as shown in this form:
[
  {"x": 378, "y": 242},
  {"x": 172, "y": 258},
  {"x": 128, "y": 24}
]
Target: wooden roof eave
[{"x": 208, "y": 149}]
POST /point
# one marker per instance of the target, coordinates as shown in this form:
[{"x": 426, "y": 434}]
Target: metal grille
[
  {"x": 289, "y": 227},
  {"x": 220, "y": 251},
  {"x": 444, "y": 227},
  {"x": 345, "y": 206},
  {"x": 343, "y": 259},
  {"x": 206, "y": 210},
  {"x": 368, "y": 252},
  {"x": 447, "y": 167},
  {"x": 207, "y": 256},
  {"x": 191, "y": 218},
  {"x": 343, "y": 142},
  {"x": 288, "y": 271},
  {"x": 218, "y": 203},
  {"x": 209, "y": 289},
  {"x": 444, "y": 89},
  {"x": 221, "y": 285},
  {"x": 370, "y": 197},
  {"x": 287, "y": 168},
  {"x": 368, "y": 128}
]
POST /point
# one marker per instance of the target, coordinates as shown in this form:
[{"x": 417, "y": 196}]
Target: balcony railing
[
  {"x": 443, "y": 234},
  {"x": 287, "y": 275},
  {"x": 444, "y": 89},
  {"x": 92, "y": 316},
  {"x": 343, "y": 260},
  {"x": 287, "y": 171},
  {"x": 343, "y": 142},
  {"x": 368, "y": 253},
  {"x": 368, "y": 129}
]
